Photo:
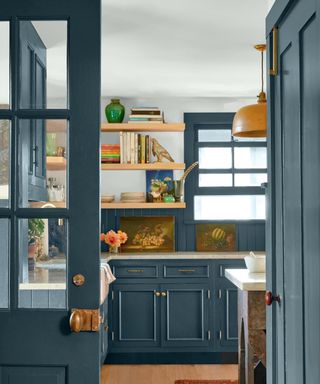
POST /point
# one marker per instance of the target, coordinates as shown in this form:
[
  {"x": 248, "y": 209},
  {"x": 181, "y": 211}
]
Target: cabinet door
[
  {"x": 135, "y": 316},
  {"x": 185, "y": 310},
  {"x": 33, "y": 95},
  {"x": 228, "y": 316},
  {"x": 226, "y": 306}
]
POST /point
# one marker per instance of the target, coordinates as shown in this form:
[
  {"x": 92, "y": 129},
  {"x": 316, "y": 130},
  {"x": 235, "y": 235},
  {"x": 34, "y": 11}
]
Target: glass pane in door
[
  {"x": 4, "y": 65},
  {"x": 42, "y": 163},
  {"x": 4, "y": 262},
  {"x": 4, "y": 163},
  {"x": 43, "y": 64},
  {"x": 42, "y": 263}
]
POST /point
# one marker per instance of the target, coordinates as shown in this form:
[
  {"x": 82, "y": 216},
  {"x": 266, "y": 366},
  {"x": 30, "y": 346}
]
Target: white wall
[{"x": 115, "y": 182}]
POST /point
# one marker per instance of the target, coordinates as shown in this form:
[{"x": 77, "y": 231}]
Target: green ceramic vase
[{"x": 115, "y": 111}]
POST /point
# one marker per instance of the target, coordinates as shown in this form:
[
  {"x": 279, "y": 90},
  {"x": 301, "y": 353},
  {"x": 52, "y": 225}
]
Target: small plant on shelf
[
  {"x": 35, "y": 240},
  {"x": 114, "y": 239}
]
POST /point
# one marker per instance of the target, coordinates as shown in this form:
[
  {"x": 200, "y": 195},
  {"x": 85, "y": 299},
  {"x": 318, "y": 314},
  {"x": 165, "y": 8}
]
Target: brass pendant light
[{"x": 251, "y": 121}]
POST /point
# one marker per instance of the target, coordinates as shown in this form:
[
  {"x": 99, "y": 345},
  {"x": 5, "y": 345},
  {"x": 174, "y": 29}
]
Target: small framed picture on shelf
[
  {"x": 216, "y": 237},
  {"x": 148, "y": 233},
  {"x": 158, "y": 184}
]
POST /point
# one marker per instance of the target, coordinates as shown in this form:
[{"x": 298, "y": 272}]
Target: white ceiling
[
  {"x": 182, "y": 47},
  {"x": 153, "y": 48}
]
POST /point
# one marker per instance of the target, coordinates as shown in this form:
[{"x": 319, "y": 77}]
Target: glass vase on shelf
[{"x": 113, "y": 249}]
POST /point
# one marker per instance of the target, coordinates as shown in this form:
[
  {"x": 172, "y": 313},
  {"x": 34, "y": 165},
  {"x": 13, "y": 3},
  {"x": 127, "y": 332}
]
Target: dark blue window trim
[{"x": 194, "y": 122}]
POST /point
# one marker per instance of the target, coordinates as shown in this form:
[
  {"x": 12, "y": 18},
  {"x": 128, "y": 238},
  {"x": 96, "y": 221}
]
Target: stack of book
[
  {"x": 146, "y": 115},
  {"x": 110, "y": 153},
  {"x": 135, "y": 148}
]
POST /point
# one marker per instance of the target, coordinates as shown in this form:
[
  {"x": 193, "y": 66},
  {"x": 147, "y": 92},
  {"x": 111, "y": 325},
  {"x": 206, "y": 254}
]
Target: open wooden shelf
[
  {"x": 143, "y": 127},
  {"x": 41, "y": 204},
  {"x": 149, "y": 166},
  {"x": 119, "y": 205},
  {"x": 56, "y": 163}
]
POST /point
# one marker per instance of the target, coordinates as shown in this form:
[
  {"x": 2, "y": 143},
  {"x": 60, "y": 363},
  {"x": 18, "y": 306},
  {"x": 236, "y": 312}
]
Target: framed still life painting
[
  {"x": 148, "y": 233},
  {"x": 216, "y": 237},
  {"x": 158, "y": 183}
]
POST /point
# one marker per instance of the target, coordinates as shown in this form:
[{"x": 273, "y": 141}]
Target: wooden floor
[{"x": 165, "y": 374}]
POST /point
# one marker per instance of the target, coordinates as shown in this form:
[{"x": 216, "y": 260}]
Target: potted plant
[{"x": 35, "y": 235}]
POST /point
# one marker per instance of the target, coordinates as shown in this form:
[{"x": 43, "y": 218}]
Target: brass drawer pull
[
  {"x": 135, "y": 270},
  {"x": 186, "y": 270}
]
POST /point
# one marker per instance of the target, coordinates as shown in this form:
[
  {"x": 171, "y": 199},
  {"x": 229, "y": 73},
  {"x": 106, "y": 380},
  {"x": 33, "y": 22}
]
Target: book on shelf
[
  {"x": 134, "y": 148},
  {"x": 143, "y": 149},
  {"x": 132, "y": 155},
  {"x": 136, "y": 158},
  {"x": 128, "y": 153},
  {"x": 146, "y": 111},
  {"x": 121, "y": 147},
  {"x": 147, "y": 157}
]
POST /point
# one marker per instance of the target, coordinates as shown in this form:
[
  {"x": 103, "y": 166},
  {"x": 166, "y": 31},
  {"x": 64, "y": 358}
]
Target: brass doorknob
[
  {"x": 164, "y": 294},
  {"x": 76, "y": 321},
  {"x": 157, "y": 294}
]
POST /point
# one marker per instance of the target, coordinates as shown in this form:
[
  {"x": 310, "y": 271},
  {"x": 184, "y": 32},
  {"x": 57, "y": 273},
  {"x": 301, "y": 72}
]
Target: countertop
[
  {"x": 177, "y": 256},
  {"x": 50, "y": 275},
  {"x": 245, "y": 280}
]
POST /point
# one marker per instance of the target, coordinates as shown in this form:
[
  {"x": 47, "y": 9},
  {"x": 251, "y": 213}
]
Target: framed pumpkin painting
[{"x": 216, "y": 237}]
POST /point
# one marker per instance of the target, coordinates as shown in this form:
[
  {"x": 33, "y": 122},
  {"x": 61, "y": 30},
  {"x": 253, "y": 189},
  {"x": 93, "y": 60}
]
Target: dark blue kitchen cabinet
[
  {"x": 104, "y": 334},
  {"x": 172, "y": 306},
  {"x": 135, "y": 316},
  {"x": 226, "y": 318},
  {"x": 185, "y": 315},
  {"x": 32, "y": 132}
]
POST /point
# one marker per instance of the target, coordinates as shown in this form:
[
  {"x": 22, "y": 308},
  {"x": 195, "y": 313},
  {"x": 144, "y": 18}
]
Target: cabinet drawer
[
  {"x": 186, "y": 271},
  {"x": 135, "y": 272}
]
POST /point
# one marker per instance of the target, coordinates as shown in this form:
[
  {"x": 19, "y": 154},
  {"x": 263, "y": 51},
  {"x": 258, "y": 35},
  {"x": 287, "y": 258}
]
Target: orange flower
[
  {"x": 112, "y": 239},
  {"x": 122, "y": 236},
  {"x": 102, "y": 237}
]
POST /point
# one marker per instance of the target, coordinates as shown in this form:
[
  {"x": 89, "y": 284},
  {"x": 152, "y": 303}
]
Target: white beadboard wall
[{"x": 115, "y": 182}]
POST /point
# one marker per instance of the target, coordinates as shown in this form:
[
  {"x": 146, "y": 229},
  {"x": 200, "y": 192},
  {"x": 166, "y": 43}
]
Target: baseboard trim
[{"x": 173, "y": 358}]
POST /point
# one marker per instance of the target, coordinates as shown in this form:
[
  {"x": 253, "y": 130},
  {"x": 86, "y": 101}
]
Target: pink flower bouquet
[{"x": 114, "y": 239}]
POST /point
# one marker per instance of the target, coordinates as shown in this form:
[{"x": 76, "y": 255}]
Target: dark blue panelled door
[
  {"x": 49, "y": 192},
  {"x": 294, "y": 193}
]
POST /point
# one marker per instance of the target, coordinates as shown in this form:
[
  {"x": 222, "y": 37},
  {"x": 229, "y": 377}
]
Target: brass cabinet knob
[
  {"x": 164, "y": 294},
  {"x": 76, "y": 321},
  {"x": 158, "y": 294}
]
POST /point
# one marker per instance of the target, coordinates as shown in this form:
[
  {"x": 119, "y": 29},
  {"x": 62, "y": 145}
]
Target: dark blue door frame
[{"x": 39, "y": 342}]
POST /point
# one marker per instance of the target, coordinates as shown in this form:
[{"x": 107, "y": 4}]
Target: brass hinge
[
  {"x": 85, "y": 320},
  {"x": 209, "y": 335},
  {"x": 209, "y": 294}
]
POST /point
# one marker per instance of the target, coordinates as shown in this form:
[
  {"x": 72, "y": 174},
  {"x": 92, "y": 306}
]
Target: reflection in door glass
[
  {"x": 42, "y": 163},
  {"x": 4, "y": 65},
  {"x": 42, "y": 257},
  {"x": 43, "y": 64},
  {"x": 4, "y": 263},
  {"x": 4, "y": 163}
]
